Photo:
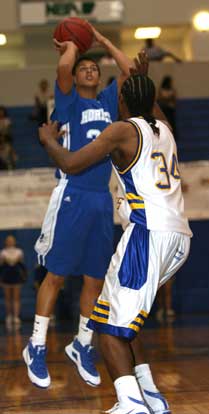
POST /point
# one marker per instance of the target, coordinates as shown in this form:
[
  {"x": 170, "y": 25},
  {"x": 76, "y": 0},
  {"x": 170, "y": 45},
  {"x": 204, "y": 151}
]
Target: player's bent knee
[{"x": 54, "y": 281}]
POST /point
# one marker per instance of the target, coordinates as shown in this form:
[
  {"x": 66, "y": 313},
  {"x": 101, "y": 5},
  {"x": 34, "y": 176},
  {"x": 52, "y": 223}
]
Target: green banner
[{"x": 69, "y": 7}]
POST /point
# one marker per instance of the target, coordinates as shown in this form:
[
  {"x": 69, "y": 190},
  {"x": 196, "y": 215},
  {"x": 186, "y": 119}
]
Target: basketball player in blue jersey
[
  {"x": 77, "y": 232},
  {"x": 156, "y": 241}
]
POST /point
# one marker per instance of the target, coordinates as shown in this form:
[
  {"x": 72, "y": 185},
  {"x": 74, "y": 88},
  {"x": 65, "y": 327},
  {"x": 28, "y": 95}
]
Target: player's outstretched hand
[
  {"x": 48, "y": 132},
  {"x": 141, "y": 63}
]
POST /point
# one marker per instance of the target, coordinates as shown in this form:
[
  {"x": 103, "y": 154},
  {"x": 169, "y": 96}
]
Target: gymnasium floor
[{"x": 178, "y": 353}]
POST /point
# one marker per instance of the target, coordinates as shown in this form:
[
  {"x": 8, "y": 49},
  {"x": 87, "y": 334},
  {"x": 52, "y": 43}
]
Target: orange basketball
[{"x": 77, "y": 30}]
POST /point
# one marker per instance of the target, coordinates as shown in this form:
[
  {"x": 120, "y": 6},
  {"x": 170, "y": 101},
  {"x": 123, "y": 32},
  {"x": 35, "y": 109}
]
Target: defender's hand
[{"x": 49, "y": 132}]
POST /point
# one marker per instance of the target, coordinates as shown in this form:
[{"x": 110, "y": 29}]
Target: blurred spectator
[
  {"x": 41, "y": 98},
  {"x": 167, "y": 101},
  {"x": 5, "y": 124},
  {"x": 156, "y": 53},
  {"x": 8, "y": 156},
  {"x": 12, "y": 275},
  {"x": 107, "y": 59}
]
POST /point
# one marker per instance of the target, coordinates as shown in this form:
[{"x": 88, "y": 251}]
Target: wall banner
[{"x": 25, "y": 194}]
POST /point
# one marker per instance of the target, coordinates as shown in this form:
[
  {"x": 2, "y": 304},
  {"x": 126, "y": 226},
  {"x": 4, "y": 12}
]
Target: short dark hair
[
  {"x": 81, "y": 59},
  {"x": 139, "y": 94}
]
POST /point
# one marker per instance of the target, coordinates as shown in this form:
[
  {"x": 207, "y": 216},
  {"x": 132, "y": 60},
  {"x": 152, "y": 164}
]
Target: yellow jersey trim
[
  {"x": 143, "y": 313},
  {"x": 100, "y": 310},
  {"x": 138, "y": 150},
  {"x": 98, "y": 319},
  {"x": 135, "y": 206},
  {"x": 139, "y": 320},
  {"x": 103, "y": 302},
  {"x": 132, "y": 196},
  {"x": 134, "y": 327}
]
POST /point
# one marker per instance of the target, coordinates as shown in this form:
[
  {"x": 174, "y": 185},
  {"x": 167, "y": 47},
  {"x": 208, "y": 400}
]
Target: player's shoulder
[{"x": 119, "y": 131}]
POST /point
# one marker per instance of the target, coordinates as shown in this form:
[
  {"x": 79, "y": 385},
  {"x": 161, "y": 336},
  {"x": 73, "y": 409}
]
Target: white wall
[
  {"x": 162, "y": 12},
  {"x": 17, "y": 87},
  {"x": 9, "y": 19}
]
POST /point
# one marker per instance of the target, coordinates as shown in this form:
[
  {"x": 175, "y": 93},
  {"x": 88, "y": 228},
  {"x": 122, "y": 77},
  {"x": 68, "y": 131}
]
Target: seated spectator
[
  {"x": 8, "y": 156},
  {"x": 167, "y": 101},
  {"x": 156, "y": 53},
  {"x": 41, "y": 97},
  {"x": 5, "y": 124},
  {"x": 12, "y": 275}
]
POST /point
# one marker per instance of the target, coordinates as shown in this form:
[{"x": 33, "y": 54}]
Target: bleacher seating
[
  {"x": 192, "y": 132},
  {"x": 193, "y": 129},
  {"x": 25, "y": 139}
]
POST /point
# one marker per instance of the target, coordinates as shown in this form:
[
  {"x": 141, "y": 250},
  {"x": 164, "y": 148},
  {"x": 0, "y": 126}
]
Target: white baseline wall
[
  {"x": 17, "y": 87},
  {"x": 162, "y": 12}
]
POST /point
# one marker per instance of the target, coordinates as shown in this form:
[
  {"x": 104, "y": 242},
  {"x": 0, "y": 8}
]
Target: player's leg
[
  {"x": 119, "y": 361},
  {"x": 119, "y": 313},
  {"x": 144, "y": 377},
  {"x": 80, "y": 350},
  {"x": 8, "y": 305},
  {"x": 17, "y": 304},
  {"x": 174, "y": 250},
  {"x": 52, "y": 249},
  {"x": 35, "y": 352},
  {"x": 170, "y": 313},
  {"x": 97, "y": 252}
]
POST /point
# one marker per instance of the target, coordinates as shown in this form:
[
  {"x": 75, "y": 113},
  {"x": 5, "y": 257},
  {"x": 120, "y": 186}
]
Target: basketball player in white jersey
[{"x": 155, "y": 243}]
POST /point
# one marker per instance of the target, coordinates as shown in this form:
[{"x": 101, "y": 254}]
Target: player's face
[
  {"x": 87, "y": 74},
  {"x": 10, "y": 241}
]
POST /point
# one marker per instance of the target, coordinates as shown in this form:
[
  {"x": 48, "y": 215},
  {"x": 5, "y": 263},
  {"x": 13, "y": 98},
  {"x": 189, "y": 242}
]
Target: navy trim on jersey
[{"x": 139, "y": 148}]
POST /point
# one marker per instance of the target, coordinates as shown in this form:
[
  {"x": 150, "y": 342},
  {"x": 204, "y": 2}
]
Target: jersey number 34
[{"x": 163, "y": 169}]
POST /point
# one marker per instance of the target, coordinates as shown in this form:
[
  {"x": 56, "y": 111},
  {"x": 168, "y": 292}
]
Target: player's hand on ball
[
  {"x": 141, "y": 63},
  {"x": 49, "y": 132},
  {"x": 61, "y": 47},
  {"x": 99, "y": 39}
]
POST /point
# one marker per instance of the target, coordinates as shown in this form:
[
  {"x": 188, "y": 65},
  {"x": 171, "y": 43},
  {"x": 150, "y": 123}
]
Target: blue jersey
[{"x": 84, "y": 119}]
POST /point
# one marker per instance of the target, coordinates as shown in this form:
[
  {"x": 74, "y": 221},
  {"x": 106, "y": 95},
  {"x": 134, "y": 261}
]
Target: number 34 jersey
[
  {"x": 153, "y": 183},
  {"x": 83, "y": 120}
]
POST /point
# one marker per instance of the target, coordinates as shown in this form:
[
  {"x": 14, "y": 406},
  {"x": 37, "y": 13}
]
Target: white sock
[
  {"x": 127, "y": 386},
  {"x": 84, "y": 334},
  {"x": 144, "y": 377},
  {"x": 40, "y": 328}
]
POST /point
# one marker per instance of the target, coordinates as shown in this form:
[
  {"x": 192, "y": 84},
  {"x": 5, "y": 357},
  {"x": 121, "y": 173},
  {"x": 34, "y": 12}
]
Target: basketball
[{"x": 77, "y": 30}]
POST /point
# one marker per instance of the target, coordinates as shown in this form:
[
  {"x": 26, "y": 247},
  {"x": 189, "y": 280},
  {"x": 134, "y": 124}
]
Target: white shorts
[{"x": 144, "y": 260}]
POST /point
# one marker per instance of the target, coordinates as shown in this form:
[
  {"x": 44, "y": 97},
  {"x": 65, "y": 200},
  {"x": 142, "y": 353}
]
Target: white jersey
[{"x": 152, "y": 181}]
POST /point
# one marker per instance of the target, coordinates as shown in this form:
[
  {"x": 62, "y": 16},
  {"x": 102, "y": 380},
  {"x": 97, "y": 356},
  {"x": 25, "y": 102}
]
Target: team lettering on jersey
[{"x": 90, "y": 115}]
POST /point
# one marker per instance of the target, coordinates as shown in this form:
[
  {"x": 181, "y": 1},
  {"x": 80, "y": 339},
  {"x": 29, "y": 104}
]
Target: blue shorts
[{"x": 77, "y": 232}]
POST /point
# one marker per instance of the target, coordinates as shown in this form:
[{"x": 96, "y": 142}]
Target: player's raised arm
[
  {"x": 75, "y": 162},
  {"x": 123, "y": 62},
  {"x": 68, "y": 55}
]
